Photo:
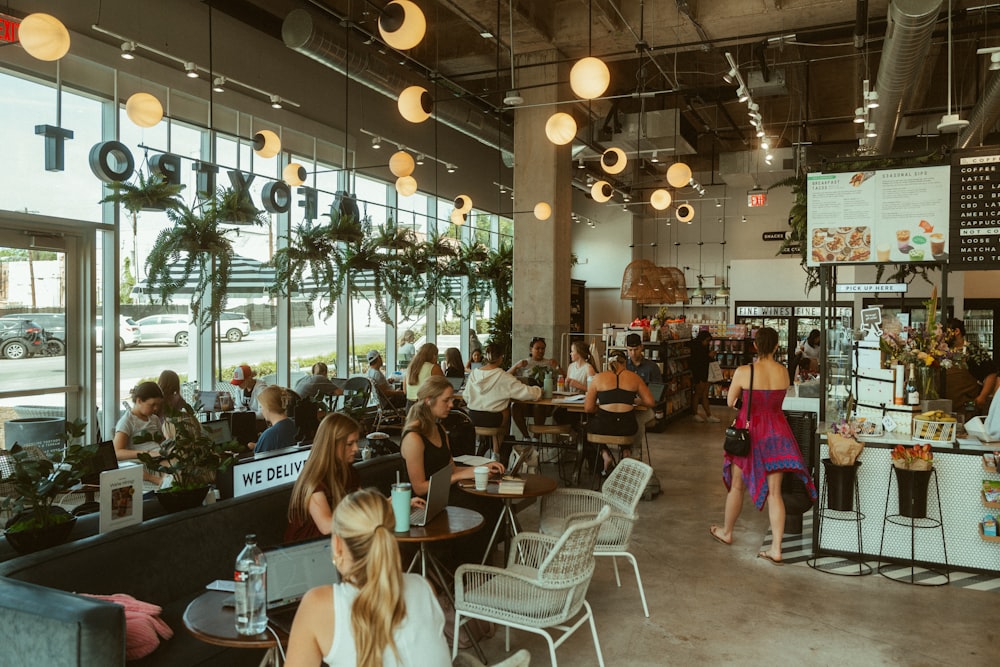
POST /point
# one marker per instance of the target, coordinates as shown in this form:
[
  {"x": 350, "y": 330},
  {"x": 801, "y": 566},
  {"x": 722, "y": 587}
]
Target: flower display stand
[
  {"x": 843, "y": 504},
  {"x": 913, "y": 502}
]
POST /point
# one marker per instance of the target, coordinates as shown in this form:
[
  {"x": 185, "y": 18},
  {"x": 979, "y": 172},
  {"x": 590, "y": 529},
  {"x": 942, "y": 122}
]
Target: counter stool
[
  {"x": 845, "y": 506},
  {"x": 561, "y": 437},
  {"x": 912, "y": 513},
  {"x": 621, "y": 441},
  {"x": 488, "y": 439}
]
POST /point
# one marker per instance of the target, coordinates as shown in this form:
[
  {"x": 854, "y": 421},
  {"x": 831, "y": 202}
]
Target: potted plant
[
  {"x": 912, "y": 467},
  {"x": 35, "y": 482},
  {"x": 190, "y": 458}
]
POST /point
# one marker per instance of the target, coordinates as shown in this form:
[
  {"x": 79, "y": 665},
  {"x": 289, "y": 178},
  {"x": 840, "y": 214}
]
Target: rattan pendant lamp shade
[{"x": 646, "y": 283}]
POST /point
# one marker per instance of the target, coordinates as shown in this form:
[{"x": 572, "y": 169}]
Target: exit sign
[
  {"x": 756, "y": 198},
  {"x": 8, "y": 28}
]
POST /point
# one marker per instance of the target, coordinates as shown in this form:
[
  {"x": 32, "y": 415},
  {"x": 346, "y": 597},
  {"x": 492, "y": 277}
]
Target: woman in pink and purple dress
[{"x": 773, "y": 450}]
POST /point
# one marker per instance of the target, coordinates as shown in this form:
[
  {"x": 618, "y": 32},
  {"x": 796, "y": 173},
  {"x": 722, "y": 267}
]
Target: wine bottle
[{"x": 912, "y": 393}]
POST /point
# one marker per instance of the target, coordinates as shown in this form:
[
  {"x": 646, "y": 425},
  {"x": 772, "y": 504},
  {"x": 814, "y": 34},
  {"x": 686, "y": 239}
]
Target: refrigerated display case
[
  {"x": 793, "y": 322},
  {"x": 981, "y": 320},
  {"x": 911, "y": 312}
]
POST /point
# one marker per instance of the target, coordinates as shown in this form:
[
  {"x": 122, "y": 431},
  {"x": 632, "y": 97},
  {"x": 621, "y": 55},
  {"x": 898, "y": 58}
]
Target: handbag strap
[{"x": 750, "y": 395}]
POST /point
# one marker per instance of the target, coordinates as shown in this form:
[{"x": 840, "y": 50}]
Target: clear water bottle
[{"x": 251, "y": 589}]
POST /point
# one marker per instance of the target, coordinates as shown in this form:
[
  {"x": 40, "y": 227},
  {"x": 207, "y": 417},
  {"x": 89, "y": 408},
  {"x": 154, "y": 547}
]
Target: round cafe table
[
  {"x": 534, "y": 486},
  {"x": 207, "y": 619}
]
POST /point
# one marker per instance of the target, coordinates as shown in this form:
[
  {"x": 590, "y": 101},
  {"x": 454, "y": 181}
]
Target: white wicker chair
[
  {"x": 621, "y": 492},
  {"x": 543, "y": 586}
]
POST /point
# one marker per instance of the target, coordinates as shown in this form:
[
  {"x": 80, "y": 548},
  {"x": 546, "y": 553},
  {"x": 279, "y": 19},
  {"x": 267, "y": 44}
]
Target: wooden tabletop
[
  {"x": 209, "y": 621},
  {"x": 451, "y": 523},
  {"x": 534, "y": 485}
]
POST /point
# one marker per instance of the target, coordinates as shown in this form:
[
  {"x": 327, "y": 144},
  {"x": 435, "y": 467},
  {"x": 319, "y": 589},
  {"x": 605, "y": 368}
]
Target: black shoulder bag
[{"x": 738, "y": 439}]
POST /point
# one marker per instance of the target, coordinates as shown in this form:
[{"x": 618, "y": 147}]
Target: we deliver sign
[{"x": 265, "y": 473}]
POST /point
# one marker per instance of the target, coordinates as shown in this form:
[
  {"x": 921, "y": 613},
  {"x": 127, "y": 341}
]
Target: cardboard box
[
  {"x": 868, "y": 354},
  {"x": 875, "y": 386}
]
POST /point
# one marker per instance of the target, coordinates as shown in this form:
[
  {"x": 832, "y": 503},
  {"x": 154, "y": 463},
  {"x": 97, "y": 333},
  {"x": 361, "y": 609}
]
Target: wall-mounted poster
[
  {"x": 975, "y": 196},
  {"x": 893, "y": 215}
]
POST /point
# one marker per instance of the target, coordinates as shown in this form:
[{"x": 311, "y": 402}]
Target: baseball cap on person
[
  {"x": 241, "y": 374},
  {"x": 373, "y": 355},
  {"x": 633, "y": 340}
]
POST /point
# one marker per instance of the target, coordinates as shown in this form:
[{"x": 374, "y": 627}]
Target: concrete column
[{"x": 542, "y": 173}]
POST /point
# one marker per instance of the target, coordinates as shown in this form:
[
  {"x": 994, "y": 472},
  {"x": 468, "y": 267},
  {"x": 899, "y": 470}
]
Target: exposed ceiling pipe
[
  {"x": 320, "y": 39},
  {"x": 983, "y": 115},
  {"x": 907, "y": 40}
]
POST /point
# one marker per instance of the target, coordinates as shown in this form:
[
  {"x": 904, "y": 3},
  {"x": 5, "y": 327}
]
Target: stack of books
[{"x": 510, "y": 485}]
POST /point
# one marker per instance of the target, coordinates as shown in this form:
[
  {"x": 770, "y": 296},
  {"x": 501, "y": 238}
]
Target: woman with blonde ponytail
[{"x": 376, "y": 616}]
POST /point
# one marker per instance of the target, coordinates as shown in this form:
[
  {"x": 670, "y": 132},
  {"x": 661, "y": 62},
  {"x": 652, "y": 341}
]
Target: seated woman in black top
[
  {"x": 612, "y": 398},
  {"x": 454, "y": 368}
]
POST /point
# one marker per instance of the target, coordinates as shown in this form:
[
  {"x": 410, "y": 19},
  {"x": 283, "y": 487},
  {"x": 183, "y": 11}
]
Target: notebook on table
[{"x": 438, "y": 488}]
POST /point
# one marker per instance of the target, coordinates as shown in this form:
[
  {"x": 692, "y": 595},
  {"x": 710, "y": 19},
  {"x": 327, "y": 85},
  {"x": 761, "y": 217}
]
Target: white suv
[{"x": 129, "y": 333}]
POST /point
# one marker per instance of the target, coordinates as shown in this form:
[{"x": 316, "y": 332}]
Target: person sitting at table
[
  {"x": 174, "y": 407},
  {"x": 475, "y": 360},
  {"x": 396, "y": 396},
  {"x": 282, "y": 430},
  {"x": 524, "y": 368},
  {"x": 489, "y": 391},
  {"x": 581, "y": 368},
  {"x": 453, "y": 366},
  {"x": 327, "y": 476},
  {"x": 147, "y": 401},
  {"x": 376, "y": 615},
  {"x": 406, "y": 348},
  {"x": 422, "y": 366},
  {"x": 250, "y": 389},
  {"x": 317, "y": 384},
  {"x": 611, "y": 399}
]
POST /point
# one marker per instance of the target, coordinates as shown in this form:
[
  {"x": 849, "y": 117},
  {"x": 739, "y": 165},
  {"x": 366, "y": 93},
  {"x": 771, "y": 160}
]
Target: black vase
[
  {"x": 177, "y": 500},
  {"x": 840, "y": 485},
  {"x": 36, "y": 539},
  {"x": 912, "y": 486}
]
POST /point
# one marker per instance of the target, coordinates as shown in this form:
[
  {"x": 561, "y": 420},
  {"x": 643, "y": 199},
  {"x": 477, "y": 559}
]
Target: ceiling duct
[
  {"x": 907, "y": 40},
  {"x": 322, "y": 40},
  {"x": 983, "y": 115},
  {"x": 665, "y": 130},
  {"x": 747, "y": 169}
]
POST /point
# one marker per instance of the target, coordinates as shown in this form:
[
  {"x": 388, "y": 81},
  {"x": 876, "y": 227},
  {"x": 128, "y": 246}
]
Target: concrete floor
[{"x": 716, "y": 605}]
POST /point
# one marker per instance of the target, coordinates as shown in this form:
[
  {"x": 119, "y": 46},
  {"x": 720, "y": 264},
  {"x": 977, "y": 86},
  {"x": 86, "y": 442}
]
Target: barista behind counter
[{"x": 977, "y": 381}]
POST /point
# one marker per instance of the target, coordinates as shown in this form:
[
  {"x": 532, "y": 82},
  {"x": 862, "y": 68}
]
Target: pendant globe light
[
  {"x": 613, "y": 161},
  {"x": 589, "y": 78},
  {"x": 542, "y": 210},
  {"x": 457, "y": 218},
  {"x": 401, "y": 164},
  {"x": 293, "y": 174},
  {"x": 660, "y": 199},
  {"x": 402, "y": 25},
  {"x": 415, "y": 104},
  {"x": 266, "y": 144},
  {"x": 678, "y": 175},
  {"x": 144, "y": 110},
  {"x": 43, "y": 36},
  {"x": 685, "y": 213},
  {"x": 560, "y": 128},
  {"x": 463, "y": 203},
  {"x": 601, "y": 191},
  {"x": 406, "y": 185}
]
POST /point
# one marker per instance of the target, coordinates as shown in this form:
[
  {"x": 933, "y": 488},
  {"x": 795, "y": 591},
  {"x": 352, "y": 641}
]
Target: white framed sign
[{"x": 121, "y": 498}]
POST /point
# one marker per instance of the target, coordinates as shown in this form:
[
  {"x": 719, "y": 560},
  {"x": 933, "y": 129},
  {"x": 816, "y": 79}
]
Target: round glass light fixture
[
  {"x": 613, "y": 161},
  {"x": 44, "y": 36},
  {"x": 589, "y": 78},
  {"x": 679, "y": 175},
  {"x": 266, "y": 143},
  {"x": 542, "y": 210},
  {"x": 560, "y": 128},
  {"x": 406, "y": 185},
  {"x": 457, "y": 218},
  {"x": 463, "y": 203},
  {"x": 401, "y": 164},
  {"x": 402, "y": 25},
  {"x": 415, "y": 104},
  {"x": 293, "y": 174},
  {"x": 144, "y": 110},
  {"x": 601, "y": 191},
  {"x": 660, "y": 199},
  {"x": 685, "y": 212}
]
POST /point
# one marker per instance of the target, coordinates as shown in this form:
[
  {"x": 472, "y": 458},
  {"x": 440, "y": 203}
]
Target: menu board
[
  {"x": 892, "y": 215},
  {"x": 975, "y": 209}
]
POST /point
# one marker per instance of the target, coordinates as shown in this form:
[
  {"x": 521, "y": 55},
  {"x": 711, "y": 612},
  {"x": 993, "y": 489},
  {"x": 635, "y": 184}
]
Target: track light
[
  {"x": 859, "y": 115},
  {"x": 654, "y": 159},
  {"x": 760, "y": 132},
  {"x": 764, "y": 143},
  {"x": 275, "y": 102},
  {"x": 219, "y": 84},
  {"x": 192, "y": 70},
  {"x": 870, "y": 130},
  {"x": 753, "y": 108},
  {"x": 994, "y": 62},
  {"x": 718, "y": 203},
  {"x": 744, "y": 219},
  {"x": 769, "y": 158},
  {"x": 742, "y": 95},
  {"x": 376, "y": 143},
  {"x": 730, "y": 76},
  {"x": 872, "y": 99},
  {"x": 128, "y": 50},
  {"x": 420, "y": 159},
  {"x": 450, "y": 168}
]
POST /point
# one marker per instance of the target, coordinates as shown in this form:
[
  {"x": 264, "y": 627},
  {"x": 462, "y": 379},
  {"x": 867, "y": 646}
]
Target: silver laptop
[
  {"x": 456, "y": 383},
  {"x": 438, "y": 487},
  {"x": 218, "y": 430},
  {"x": 291, "y": 571}
]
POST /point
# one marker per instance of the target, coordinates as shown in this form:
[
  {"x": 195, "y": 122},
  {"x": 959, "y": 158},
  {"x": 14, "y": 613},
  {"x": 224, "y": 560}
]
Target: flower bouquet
[
  {"x": 843, "y": 444},
  {"x": 918, "y": 457}
]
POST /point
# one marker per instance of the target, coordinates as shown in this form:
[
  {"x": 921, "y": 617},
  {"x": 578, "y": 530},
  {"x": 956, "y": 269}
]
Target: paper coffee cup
[{"x": 482, "y": 474}]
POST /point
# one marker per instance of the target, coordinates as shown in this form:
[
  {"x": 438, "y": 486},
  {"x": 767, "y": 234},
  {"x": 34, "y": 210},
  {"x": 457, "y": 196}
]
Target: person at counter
[
  {"x": 975, "y": 383},
  {"x": 808, "y": 350},
  {"x": 773, "y": 449}
]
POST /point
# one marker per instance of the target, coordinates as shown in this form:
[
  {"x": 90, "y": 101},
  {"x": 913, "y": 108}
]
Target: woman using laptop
[{"x": 376, "y": 615}]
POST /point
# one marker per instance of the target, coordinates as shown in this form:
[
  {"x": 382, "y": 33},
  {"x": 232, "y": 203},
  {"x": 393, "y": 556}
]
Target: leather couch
[{"x": 166, "y": 560}]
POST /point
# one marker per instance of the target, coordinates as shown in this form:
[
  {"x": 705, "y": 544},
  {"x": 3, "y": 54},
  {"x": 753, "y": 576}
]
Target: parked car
[
  {"x": 173, "y": 328},
  {"x": 54, "y": 326},
  {"x": 20, "y": 338},
  {"x": 129, "y": 333}
]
